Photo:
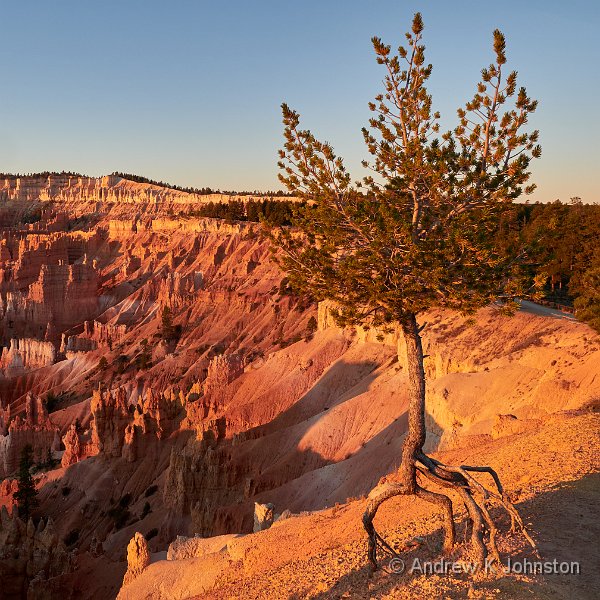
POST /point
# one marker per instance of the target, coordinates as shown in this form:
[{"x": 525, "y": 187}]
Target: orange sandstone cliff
[{"x": 171, "y": 387}]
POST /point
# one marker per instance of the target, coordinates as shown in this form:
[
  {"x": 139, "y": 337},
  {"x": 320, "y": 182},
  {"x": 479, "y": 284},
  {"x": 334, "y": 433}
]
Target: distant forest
[
  {"x": 41, "y": 174},
  {"x": 562, "y": 241},
  {"x": 202, "y": 191},
  {"x": 563, "y": 244},
  {"x": 276, "y": 213}
]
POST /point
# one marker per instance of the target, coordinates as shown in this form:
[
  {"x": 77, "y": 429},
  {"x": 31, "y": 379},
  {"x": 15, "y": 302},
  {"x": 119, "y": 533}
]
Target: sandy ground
[{"x": 552, "y": 475}]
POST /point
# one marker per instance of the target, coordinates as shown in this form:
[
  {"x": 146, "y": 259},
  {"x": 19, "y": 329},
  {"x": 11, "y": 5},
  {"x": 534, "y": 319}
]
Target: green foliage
[
  {"x": 143, "y": 360},
  {"x": 563, "y": 237},
  {"x": 562, "y": 250},
  {"x": 52, "y": 401},
  {"x": 26, "y": 494},
  {"x": 167, "y": 331},
  {"x": 40, "y": 174},
  {"x": 50, "y": 461},
  {"x": 125, "y": 500},
  {"x": 122, "y": 363},
  {"x": 140, "y": 179},
  {"x": 311, "y": 326},
  {"x": 284, "y": 287},
  {"x": 275, "y": 213},
  {"x": 587, "y": 287},
  {"x": 192, "y": 190},
  {"x": 421, "y": 231}
]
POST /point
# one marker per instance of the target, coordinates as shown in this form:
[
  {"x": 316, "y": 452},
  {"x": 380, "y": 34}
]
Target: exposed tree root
[{"x": 476, "y": 498}]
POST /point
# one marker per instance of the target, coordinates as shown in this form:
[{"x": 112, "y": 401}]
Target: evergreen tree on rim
[
  {"x": 26, "y": 494},
  {"x": 416, "y": 234}
]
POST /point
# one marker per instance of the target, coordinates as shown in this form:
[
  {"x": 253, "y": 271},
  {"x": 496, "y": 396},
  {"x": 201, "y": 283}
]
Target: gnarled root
[{"x": 476, "y": 498}]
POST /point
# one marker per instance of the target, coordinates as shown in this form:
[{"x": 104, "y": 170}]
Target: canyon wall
[
  {"x": 26, "y": 354},
  {"x": 75, "y": 192},
  {"x": 187, "y": 383},
  {"x": 33, "y": 427},
  {"x": 32, "y": 558}
]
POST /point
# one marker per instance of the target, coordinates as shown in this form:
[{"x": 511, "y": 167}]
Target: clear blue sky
[{"x": 189, "y": 91}]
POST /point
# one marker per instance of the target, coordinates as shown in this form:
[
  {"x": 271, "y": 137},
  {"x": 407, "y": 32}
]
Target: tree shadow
[
  {"x": 267, "y": 464},
  {"x": 564, "y": 524}
]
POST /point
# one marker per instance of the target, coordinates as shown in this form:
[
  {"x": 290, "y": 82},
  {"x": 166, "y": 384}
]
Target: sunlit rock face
[
  {"x": 138, "y": 557},
  {"x": 161, "y": 362},
  {"x": 26, "y": 354}
]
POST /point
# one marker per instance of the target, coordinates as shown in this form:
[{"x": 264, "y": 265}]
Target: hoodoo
[{"x": 377, "y": 384}]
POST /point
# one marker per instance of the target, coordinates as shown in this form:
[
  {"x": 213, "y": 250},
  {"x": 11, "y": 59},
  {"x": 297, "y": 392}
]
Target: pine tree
[
  {"x": 167, "y": 331},
  {"x": 311, "y": 326},
  {"x": 586, "y": 285},
  {"x": 26, "y": 494},
  {"x": 418, "y": 233}
]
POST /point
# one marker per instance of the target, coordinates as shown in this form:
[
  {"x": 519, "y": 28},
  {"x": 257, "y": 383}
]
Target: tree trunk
[
  {"x": 415, "y": 437},
  {"x": 457, "y": 478}
]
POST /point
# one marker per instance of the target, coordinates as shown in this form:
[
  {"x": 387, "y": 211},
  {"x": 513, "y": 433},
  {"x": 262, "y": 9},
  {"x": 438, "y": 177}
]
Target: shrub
[
  {"x": 52, "y": 401},
  {"x": 26, "y": 495},
  {"x": 284, "y": 287},
  {"x": 167, "y": 330},
  {"x": 151, "y": 490},
  {"x": 146, "y": 510},
  {"x": 122, "y": 363},
  {"x": 125, "y": 500},
  {"x": 71, "y": 537},
  {"x": 120, "y": 513},
  {"x": 143, "y": 360}
]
